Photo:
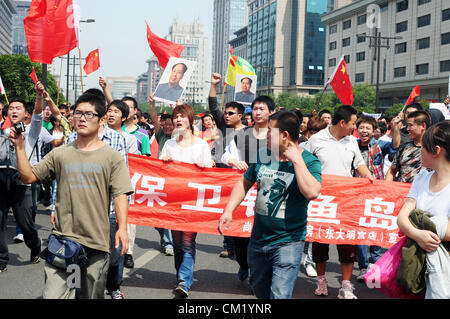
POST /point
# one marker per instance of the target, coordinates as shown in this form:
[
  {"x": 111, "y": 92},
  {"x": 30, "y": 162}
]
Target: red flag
[
  {"x": 33, "y": 76},
  {"x": 341, "y": 84},
  {"x": 2, "y": 89},
  {"x": 162, "y": 48},
  {"x": 92, "y": 62},
  {"x": 415, "y": 93},
  {"x": 51, "y": 29}
]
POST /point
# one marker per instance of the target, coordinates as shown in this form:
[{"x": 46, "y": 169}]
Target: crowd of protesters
[{"x": 74, "y": 161}]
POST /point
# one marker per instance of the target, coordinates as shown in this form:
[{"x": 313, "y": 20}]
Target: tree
[{"x": 15, "y": 72}]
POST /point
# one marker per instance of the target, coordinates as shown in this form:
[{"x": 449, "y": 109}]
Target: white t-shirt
[
  {"x": 199, "y": 152},
  {"x": 131, "y": 142},
  {"x": 437, "y": 204},
  {"x": 338, "y": 157}
]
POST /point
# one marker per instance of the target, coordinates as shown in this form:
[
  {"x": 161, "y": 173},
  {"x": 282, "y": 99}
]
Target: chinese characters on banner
[{"x": 184, "y": 197}]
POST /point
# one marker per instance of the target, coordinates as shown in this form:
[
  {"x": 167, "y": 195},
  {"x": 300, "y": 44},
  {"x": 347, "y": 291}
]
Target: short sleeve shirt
[
  {"x": 338, "y": 157},
  {"x": 86, "y": 182},
  {"x": 281, "y": 209},
  {"x": 408, "y": 162}
]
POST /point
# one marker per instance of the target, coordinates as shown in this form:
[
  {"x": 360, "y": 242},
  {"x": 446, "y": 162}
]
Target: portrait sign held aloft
[
  {"x": 174, "y": 80},
  {"x": 245, "y": 90}
]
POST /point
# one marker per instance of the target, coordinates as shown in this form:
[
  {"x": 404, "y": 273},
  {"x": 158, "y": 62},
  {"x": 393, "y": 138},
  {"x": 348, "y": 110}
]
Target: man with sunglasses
[
  {"x": 89, "y": 173},
  {"x": 228, "y": 124}
]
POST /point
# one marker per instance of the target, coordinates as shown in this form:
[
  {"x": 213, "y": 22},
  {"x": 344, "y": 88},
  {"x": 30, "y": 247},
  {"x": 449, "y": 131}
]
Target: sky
[{"x": 119, "y": 31}]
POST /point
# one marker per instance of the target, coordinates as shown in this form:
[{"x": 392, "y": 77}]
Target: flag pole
[
  {"x": 59, "y": 81},
  {"x": 6, "y": 97},
  {"x": 320, "y": 97},
  {"x": 81, "y": 69}
]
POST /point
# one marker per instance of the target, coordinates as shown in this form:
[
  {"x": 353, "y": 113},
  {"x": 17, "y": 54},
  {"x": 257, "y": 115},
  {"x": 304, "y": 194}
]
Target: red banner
[{"x": 185, "y": 197}]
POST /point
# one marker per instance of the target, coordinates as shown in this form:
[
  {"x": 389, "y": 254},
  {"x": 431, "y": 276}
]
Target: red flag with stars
[
  {"x": 340, "y": 82},
  {"x": 162, "y": 48},
  {"x": 92, "y": 62},
  {"x": 51, "y": 29}
]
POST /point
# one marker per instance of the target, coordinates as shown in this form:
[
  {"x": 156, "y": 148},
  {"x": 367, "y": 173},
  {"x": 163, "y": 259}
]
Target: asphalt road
[{"x": 154, "y": 274}]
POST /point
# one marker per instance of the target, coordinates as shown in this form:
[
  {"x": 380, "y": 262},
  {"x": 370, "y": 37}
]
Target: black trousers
[
  {"x": 113, "y": 278},
  {"x": 19, "y": 198},
  {"x": 240, "y": 249}
]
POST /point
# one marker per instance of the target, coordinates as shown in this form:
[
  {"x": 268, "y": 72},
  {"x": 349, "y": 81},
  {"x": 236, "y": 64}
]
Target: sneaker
[
  {"x": 2, "y": 268},
  {"x": 346, "y": 292},
  {"x": 128, "y": 261},
  {"x": 35, "y": 258},
  {"x": 168, "y": 251},
  {"x": 181, "y": 292},
  {"x": 303, "y": 262},
  {"x": 242, "y": 274},
  {"x": 117, "y": 294},
  {"x": 226, "y": 253},
  {"x": 311, "y": 271},
  {"x": 360, "y": 277},
  {"x": 18, "y": 238},
  {"x": 321, "y": 289}
]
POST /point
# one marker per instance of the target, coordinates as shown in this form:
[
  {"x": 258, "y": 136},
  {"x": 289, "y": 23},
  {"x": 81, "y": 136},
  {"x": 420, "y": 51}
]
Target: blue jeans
[
  {"x": 166, "y": 237},
  {"x": 363, "y": 262},
  {"x": 184, "y": 255},
  {"x": 274, "y": 269}
]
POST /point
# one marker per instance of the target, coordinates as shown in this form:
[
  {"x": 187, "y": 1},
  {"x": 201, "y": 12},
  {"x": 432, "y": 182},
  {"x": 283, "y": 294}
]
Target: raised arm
[
  {"x": 39, "y": 104},
  {"x": 104, "y": 86},
  {"x": 153, "y": 113},
  {"x": 53, "y": 107}
]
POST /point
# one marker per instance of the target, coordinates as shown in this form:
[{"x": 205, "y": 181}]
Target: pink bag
[{"x": 383, "y": 274}]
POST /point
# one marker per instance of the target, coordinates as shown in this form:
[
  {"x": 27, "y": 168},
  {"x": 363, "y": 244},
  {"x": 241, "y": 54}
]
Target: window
[
  {"x": 362, "y": 19},
  {"x": 332, "y": 46},
  {"x": 400, "y": 72},
  {"x": 402, "y": 5},
  {"x": 423, "y": 20},
  {"x": 446, "y": 14},
  {"x": 359, "y": 77},
  {"x": 401, "y": 27},
  {"x": 360, "y": 56},
  {"x": 423, "y": 43},
  {"x": 331, "y": 62},
  {"x": 422, "y": 69},
  {"x": 347, "y": 59},
  {"x": 420, "y": 2},
  {"x": 333, "y": 28},
  {"x": 400, "y": 48},
  {"x": 346, "y": 42},
  {"x": 445, "y": 38},
  {"x": 445, "y": 66},
  {"x": 347, "y": 24},
  {"x": 361, "y": 38}
]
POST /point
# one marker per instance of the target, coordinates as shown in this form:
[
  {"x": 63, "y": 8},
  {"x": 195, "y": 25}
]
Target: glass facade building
[
  {"x": 19, "y": 39},
  {"x": 7, "y": 9}
]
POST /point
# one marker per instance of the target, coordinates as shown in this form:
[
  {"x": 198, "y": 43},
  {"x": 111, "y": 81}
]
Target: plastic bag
[{"x": 383, "y": 274}]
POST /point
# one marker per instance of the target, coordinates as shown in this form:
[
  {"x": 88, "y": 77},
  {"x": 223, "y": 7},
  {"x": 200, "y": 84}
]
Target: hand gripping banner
[{"x": 181, "y": 196}]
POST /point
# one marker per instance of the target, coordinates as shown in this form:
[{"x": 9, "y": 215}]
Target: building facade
[
  {"x": 19, "y": 39},
  {"x": 7, "y": 10},
  {"x": 418, "y": 51},
  {"x": 195, "y": 42},
  {"x": 122, "y": 86},
  {"x": 142, "y": 88},
  {"x": 286, "y": 45}
]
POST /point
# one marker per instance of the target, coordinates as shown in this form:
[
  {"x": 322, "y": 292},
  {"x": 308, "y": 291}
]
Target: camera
[{"x": 19, "y": 127}]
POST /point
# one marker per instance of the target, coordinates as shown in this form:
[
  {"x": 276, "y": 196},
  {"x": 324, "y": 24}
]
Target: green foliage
[
  {"x": 363, "y": 100},
  {"x": 15, "y": 73}
]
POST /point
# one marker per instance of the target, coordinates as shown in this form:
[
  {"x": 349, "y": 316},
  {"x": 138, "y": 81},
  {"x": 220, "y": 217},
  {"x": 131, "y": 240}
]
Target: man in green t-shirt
[
  {"x": 286, "y": 183},
  {"x": 88, "y": 172}
]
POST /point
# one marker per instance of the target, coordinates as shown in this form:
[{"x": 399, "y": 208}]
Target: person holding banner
[
  {"x": 430, "y": 192},
  {"x": 186, "y": 148},
  {"x": 286, "y": 184},
  {"x": 339, "y": 153}
]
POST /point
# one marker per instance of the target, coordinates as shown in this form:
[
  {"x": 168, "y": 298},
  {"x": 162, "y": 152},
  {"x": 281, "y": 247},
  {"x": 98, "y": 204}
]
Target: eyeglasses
[
  {"x": 230, "y": 113},
  {"x": 87, "y": 115}
]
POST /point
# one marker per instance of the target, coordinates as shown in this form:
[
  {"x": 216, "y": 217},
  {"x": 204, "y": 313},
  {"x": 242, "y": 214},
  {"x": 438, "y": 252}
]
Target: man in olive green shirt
[{"x": 88, "y": 173}]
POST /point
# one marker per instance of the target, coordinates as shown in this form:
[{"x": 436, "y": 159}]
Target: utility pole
[{"x": 377, "y": 43}]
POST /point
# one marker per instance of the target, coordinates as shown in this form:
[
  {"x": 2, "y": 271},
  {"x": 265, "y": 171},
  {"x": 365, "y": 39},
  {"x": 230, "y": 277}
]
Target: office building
[{"x": 7, "y": 10}]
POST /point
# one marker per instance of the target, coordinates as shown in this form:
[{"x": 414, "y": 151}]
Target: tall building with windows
[
  {"x": 419, "y": 54},
  {"x": 142, "y": 88},
  {"x": 286, "y": 45},
  {"x": 122, "y": 86},
  {"x": 192, "y": 37},
  {"x": 7, "y": 10},
  {"x": 154, "y": 73},
  {"x": 19, "y": 39}
]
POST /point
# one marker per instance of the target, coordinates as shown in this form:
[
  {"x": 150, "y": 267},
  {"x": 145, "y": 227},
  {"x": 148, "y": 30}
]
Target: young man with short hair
[
  {"x": 130, "y": 127},
  {"x": 240, "y": 153},
  {"x": 14, "y": 193},
  {"x": 337, "y": 139},
  {"x": 88, "y": 173},
  {"x": 286, "y": 184},
  {"x": 326, "y": 116},
  {"x": 407, "y": 161}
]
